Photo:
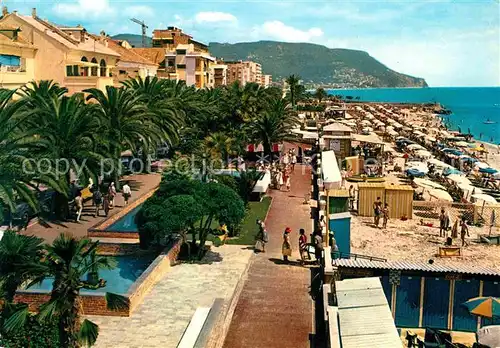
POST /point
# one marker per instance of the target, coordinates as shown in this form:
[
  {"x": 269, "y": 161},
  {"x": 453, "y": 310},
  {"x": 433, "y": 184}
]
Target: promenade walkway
[
  {"x": 275, "y": 309},
  {"x": 140, "y": 184}
]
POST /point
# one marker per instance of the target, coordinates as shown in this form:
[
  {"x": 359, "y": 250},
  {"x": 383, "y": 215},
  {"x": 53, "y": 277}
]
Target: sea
[{"x": 470, "y": 106}]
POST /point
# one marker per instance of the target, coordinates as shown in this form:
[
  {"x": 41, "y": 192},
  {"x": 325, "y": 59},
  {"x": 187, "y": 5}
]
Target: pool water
[
  {"x": 127, "y": 222},
  {"x": 119, "y": 279}
]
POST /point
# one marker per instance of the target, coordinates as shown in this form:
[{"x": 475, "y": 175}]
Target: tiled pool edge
[
  {"x": 99, "y": 229},
  {"x": 156, "y": 270},
  {"x": 95, "y": 303}
]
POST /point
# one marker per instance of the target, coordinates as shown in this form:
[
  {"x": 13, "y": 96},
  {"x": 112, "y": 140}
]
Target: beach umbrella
[
  {"x": 488, "y": 170},
  {"x": 415, "y": 147},
  {"x": 426, "y": 183},
  {"x": 440, "y": 195},
  {"x": 415, "y": 172},
  {"x": 449, "y": 171},
  {"x": 488, "y": 307},
  {"x": 481, "y": 165},
  {"x": 484, "y": 197},
  {"x": 462, "y": 144},
  {"x": 459, "y": 179}
]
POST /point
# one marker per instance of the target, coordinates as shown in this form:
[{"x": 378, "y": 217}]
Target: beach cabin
[
  {"x": 399, "y": 198},
  {"x": 424, "y": 294},
  {"x": 336, "y": 198},
  {"x": 337, "y": 137}
]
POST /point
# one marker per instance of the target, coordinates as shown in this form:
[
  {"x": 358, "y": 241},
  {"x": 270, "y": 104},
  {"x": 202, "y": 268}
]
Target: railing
[{"x": 342, "y": 255}]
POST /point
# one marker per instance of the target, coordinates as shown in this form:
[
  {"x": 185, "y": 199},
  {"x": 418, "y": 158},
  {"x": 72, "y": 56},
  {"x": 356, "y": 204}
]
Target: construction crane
[{"x": 144, "y": 27}]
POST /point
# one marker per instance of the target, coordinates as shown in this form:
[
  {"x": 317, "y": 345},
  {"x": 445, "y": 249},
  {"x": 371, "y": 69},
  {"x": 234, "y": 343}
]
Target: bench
[{"x": 449, "y": 251}]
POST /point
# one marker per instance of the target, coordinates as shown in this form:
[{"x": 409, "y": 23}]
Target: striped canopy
[{"x": 484, "y": 306}]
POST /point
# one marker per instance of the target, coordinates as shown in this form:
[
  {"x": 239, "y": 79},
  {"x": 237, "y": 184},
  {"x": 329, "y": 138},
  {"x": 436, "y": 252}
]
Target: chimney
[
  {"x": 33, "y": 12},
  {"x": 5, "y": 12}
]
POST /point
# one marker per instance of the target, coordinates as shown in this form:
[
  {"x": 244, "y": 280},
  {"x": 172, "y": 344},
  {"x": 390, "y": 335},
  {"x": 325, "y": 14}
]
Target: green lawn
[{"x": 256, "y": 210}]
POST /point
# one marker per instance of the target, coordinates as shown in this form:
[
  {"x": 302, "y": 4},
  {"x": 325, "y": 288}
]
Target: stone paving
[
  {"x": 166, "y": 311},
  {"x": 274, "y": 308},
  {"x": 140, "y": 185}
]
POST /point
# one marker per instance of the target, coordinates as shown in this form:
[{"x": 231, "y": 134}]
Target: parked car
[{"x": 23, "y": 212}]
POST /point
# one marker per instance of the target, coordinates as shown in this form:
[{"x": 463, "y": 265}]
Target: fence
[{"x": 483, "y": 215}]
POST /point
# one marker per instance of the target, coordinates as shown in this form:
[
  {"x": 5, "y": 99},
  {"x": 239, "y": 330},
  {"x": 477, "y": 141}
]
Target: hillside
[
  {"x": 316, "y": 64},
  {"x": 133, "y": 39}
]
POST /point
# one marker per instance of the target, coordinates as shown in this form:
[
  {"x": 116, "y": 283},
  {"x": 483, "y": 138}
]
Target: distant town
[{"x": 36, "y": 49}]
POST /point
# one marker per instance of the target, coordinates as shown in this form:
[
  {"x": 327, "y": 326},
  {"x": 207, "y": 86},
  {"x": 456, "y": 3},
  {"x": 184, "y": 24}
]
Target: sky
[{"x": 447, "y": 42}]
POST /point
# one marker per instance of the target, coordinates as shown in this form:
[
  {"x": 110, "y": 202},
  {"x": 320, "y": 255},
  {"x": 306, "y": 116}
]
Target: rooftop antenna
[{"x": 143, "y": 26}]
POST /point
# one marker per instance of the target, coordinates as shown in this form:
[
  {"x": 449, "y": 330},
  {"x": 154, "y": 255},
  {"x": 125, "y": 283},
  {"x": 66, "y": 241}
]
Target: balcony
[
  {"x": 77, "y": 84},
  {"x": 14, "y": 76}
]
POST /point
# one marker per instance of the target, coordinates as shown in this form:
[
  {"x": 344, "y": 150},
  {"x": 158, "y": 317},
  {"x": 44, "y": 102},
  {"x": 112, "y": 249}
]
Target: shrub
[{"x": 33, "y": 335}]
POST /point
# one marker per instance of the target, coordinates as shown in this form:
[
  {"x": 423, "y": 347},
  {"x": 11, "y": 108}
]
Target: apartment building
[
  {"x": 130, "y": 64},
  {"x": 218, "y": 74},
  {"x": 244, "y": 72},
  {"x": 172, "y": 37},
  {"x": 266, "y": 81},
  {"x": 66, "y": 55}
]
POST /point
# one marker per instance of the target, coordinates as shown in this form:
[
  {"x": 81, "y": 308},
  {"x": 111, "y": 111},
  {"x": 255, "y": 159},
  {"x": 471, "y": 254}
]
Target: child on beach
[{"x": 385, "y": 215}]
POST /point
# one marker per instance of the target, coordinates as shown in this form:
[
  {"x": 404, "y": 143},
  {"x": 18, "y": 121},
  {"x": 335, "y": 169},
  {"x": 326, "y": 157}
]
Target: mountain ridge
[{"x": 317, "y": 65}]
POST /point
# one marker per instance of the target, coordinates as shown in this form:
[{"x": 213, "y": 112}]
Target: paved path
[
  {"x": 275, "y": 309},
  {"x": 166, "y": 311},
  {"x": 140, "y": 184}
]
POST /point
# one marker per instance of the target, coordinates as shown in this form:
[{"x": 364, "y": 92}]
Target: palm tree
[
  {"x": 320, "y": 94},
  {"x": 219, "y": 145},
  {"x": 68, "y": 261},
  {"x": 17, "y": 173},
  {"x": 274, "y": 125},
  {"x": 18, "y": 255},
  {"x": 293, "y": 82},
  {"x": 128, "y": 123}
]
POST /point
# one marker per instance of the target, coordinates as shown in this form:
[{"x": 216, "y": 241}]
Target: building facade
[
  {"x": 67, "y": 55},
  {"x": 131, "y": 64},
  {"x": 244, "y": 72},
  {"x": 266, "y": 81},
  {"x": 218, "y": 75}
]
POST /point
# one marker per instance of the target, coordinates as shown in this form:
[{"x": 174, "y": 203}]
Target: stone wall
[
  {"x": 113, "y": 234},
  {"x": 116, "y": 249},
  {"x": 91, "y": 304}
]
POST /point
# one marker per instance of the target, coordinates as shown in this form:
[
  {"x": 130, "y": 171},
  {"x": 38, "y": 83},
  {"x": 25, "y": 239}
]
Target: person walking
[
  {"x": 285, "y": 177},
  {"x": 293, "y": 160},
  {"x": 127, "y": 193},
  {"x": 377, "y": 206},
  {"x": 105, "y": 205},
  {"x": 262, "y": 237},
  {"x": 444, "y": 223},
  {"x": 288, "y": 182},
  {"x": 286, "y": 248},
  {"x": 112, "y": 194},
  {"x": 464, "y": 230},
  {"x": 351, "y": 197},
  {"x": 78, "y": 205},
  {"x": 303, "y": 250},
  {"x": 97, "y": 200},
  {"x": 318, "y": 246},
  {"x": 385, "y": 215}
]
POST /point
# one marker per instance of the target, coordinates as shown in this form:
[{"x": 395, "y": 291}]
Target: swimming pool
[
  {"x": 126, "y": 223},
  {"x": 119, "y": 279}
]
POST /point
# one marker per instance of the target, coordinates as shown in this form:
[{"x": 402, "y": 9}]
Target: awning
[
  {"x": 85, "y": 64},
  {"x": 331, "y": 173}
]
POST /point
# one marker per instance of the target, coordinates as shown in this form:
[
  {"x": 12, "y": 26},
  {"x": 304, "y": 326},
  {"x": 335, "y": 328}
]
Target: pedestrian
[
  {"x": 464, "y": 230},
  {"x": 293, "y": 160},
  {"x": 262, "y": 237},
  {"x": 385, "y": 215},
  {"x": 318, "y": 246},
  {"x": 377, "y": 206},
  {"x": 303, "y": 250},
  {"x": 284, "y": 178},
  {"x": 126, "y": 193},
  {"x": 97, "y": 200},
  {"x": 288, "y": 182},
  {"x": 286, "y": 247},
  {"x": 105, "y": 205},
  {"x": 78, "y": 205},
  {"x": 332, "y": 242},
  {"x": 280, "y": 179},
  {"x": 351, "y": 197},
  {"x": 112, "y": 194},
  {"x": 444, "y": 223}
]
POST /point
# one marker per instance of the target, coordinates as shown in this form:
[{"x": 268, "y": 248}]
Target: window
[
  {"x": 181, "y": 66},
  {"x": 171, "y": 62},
  {"x": 84, "y": 71},
  {"x": 9, "y": 60},
  {"x": 72, "y": 70},
  {"x": 103, "y": 68},
  {"x": 180, "y": 52},
  {"x": 93, "y": 70},
  {"x": 122, "y": 72}
]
